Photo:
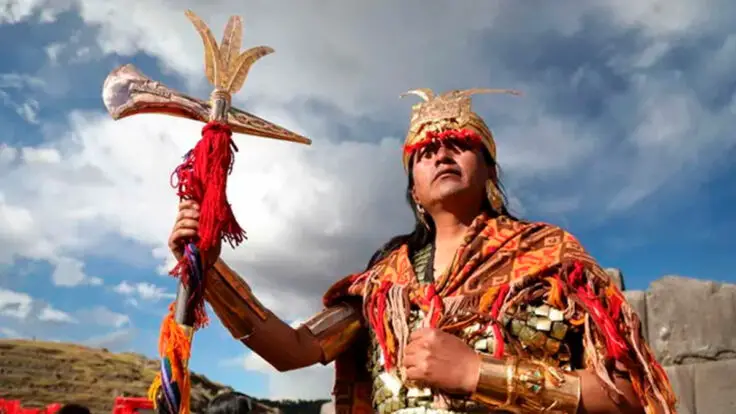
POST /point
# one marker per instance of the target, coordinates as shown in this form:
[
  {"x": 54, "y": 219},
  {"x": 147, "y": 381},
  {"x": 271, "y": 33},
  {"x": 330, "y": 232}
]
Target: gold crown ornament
[{"x": 449, "y": 115}]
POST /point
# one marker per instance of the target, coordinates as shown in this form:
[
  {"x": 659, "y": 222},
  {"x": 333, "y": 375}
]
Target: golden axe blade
[{"x": 127, "y": 92}]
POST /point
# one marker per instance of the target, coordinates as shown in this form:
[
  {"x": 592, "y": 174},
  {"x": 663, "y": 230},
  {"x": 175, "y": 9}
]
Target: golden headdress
[{"x": 447, "y": 115}]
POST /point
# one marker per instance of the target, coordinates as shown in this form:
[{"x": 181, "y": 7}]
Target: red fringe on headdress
[{"x": 464, "y": 134}]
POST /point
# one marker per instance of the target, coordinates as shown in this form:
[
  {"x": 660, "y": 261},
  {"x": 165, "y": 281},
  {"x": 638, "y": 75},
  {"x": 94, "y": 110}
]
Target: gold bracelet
[
  {"x": 524, "y": 385},
  {"x": 494, "y": 387},
  {"x": 511, "y": 367}
]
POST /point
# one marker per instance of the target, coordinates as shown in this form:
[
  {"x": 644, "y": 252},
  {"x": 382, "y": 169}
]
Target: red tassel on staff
[{"x": 203, "y": 178}]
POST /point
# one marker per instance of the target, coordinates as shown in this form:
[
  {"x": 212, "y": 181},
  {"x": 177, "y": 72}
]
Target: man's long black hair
[{"x": 421, "y": 235}]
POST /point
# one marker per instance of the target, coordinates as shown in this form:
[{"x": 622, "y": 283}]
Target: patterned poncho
[{"x": 501, "y": 265}]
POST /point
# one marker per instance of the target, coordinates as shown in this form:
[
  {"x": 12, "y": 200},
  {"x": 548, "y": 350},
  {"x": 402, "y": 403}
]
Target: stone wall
[{"x": 691, "y": 326}]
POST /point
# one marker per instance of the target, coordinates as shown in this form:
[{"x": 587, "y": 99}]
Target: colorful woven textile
[{"x": 502, "y": 263}]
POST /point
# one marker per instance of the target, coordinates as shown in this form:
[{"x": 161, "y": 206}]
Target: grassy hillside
[{"x": 39, "y": 373}]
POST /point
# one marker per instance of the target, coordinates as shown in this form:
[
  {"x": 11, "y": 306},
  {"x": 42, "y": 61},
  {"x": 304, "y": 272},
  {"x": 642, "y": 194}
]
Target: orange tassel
[
  {"x": 175, "y": 345},
  {"x": 555, "y": 293}
]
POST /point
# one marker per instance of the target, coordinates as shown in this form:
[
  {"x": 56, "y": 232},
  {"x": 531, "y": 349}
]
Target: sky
[{"x": 623, "y": 136}]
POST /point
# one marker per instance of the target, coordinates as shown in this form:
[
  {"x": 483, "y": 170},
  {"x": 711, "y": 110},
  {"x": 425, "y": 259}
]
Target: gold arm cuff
[
  {"x": 233, "y": 301},
  {"x": 527, "y": 386},
  {"x": 335, "y": 328},
  {"x": 492, "y": 388}
]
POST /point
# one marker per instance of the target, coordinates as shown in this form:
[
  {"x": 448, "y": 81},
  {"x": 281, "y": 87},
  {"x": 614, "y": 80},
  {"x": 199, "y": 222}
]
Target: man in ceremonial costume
[{"x": 474, "y": 311}]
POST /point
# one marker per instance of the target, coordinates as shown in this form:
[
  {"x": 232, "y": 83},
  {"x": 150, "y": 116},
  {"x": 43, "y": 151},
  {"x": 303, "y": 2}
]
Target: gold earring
[
  {"x": 494, "y": 196},
  {"x": 420, "y": 214}
]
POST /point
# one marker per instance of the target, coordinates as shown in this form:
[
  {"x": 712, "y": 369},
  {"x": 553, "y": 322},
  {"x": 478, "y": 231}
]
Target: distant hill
[{"x": 40, "y": 373}]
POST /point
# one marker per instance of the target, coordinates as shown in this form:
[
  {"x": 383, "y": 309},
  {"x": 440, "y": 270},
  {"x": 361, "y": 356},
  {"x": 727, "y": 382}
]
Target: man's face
[{"x": 448, "y": 171}]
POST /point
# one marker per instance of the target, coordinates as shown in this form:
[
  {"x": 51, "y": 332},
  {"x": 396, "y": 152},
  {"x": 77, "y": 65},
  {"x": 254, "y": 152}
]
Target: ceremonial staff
[{"x": 201, "y": 177}]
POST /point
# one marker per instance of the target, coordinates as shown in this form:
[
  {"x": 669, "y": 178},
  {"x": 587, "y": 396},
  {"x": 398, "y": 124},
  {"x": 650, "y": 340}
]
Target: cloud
[
  {"x": 10, "y": 333},
  {"x": 11, "y": 85},
  {"x": 660, "y": 18},
  {"x": 40, "y": 155},
  {"x": 68, "y": 272},
  {"x": 309, "y": 383},
  {"x": 21, "y": 228},
  {"x": 142, "y": 290},
  {"x": 68, "y": 51},
  {"x": 356, "y": 70},
  {"x": 23, "y": 307},
  {"x": 103, "y": 316},
  {"x": 50, "y": 314},
  {"x": 116, "y": 341},
  {"x": 23, "y": 316},
  {"x": 12, "y": 11},
  {"x": 53, "y": 51},
  {"x": 15, "y": 304},
  {"x": 7, "y": 154}
]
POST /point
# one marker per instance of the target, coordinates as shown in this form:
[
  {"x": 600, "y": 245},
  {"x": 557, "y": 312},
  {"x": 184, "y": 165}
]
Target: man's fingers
[
  {"x": 410, "y": 358},
  {"x": 185, "y": 227},
  {"x": 188, "y": 204},
  {"x": 189, "y": 224},
  {"x": 413, "y": 348},
  {"x": 415, "y": 355},
  {"x": 180, "y": 235},
  {"x": 187, "y": 214}
]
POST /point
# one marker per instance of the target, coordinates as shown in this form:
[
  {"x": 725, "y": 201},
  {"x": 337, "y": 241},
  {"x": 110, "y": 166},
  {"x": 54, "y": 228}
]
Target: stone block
[
  {"x": 691, "y": 320},
  {"x": 715, "y": 387},
  {"x": 682, "y": 378},
  {"x": 616, "y": 276},
  {"x": 638, "y": 300}
]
